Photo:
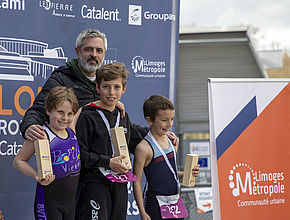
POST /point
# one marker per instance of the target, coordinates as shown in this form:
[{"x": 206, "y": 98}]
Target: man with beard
[{"x": 78, "y": 74}]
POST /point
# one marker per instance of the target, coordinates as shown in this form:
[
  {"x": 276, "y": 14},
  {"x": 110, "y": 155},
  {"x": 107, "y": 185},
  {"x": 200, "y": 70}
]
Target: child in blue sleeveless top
[
  {"x": 55, "y": 194},
  {"x": 157, "y": 157}
]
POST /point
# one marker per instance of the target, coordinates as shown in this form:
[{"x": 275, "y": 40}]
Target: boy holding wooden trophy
[
  {"x": 104, "y": 138},
  {"x": 156, "y": 156}
]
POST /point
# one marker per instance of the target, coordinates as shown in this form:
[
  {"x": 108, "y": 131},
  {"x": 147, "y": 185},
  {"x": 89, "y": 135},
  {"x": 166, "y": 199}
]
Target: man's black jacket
[{"x": 62, "y": 76}]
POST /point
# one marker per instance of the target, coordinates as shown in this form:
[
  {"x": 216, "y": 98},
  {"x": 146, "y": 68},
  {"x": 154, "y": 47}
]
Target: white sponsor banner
[
  {"x": 203, "y": 199},
  {"x": 200, "y": 148}
]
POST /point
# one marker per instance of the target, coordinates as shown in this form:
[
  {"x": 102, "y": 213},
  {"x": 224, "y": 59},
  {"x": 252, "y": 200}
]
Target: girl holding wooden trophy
[{"x": 58, "y": 158}]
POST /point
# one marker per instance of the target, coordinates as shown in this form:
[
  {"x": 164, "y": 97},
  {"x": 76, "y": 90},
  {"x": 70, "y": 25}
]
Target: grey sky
[{"x": 272, "y": 17}]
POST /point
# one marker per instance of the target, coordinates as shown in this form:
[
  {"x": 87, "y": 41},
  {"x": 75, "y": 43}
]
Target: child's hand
[
  {"x": 145, "y": 216},
  {"x": 117, "y": 166},
  {"x": 47, "y": 180},
  {"x": 195, "y": 170}
]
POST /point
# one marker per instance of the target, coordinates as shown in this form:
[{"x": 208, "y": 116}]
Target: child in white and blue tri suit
[
  {"x": 156, "y": 156},
  {"x": 55, "y": 195}
]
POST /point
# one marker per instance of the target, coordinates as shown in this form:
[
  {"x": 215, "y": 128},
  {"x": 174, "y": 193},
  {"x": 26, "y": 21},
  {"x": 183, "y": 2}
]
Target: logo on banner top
[
  {"x": 159, "y": 16},
  {"x": 243, "y": 180},
  {"x": 58, "y": 9},
  {"x": 135, "y": 15},
  {"x": 148, "y": 68},
  {"x": 13, "y": 5},
  {"x": 100, "y": 14}
]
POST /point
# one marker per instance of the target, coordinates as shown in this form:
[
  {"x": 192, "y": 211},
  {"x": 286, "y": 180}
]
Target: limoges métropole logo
[
  {"x": 148, "y": 68},
  {"x": 243, "y": 180}
]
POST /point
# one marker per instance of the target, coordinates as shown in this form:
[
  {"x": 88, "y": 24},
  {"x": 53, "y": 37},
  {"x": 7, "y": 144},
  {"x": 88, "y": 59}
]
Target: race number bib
[
  {"x": 119, "y": 178},
  {"x": 172, "y": 206}
]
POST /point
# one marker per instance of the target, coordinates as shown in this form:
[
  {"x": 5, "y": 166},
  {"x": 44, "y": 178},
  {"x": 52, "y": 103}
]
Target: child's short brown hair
[
  {"x": 155, "y": 103},
  {"x": 112, "y": 71},
  {"x": 58, "y": 95}
]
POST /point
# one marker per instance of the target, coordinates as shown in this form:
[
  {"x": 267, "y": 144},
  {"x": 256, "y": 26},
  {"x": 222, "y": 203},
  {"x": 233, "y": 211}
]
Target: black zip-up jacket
[
  {"x": 62, "y": 76},
  {"x": 95, "y": 144}
]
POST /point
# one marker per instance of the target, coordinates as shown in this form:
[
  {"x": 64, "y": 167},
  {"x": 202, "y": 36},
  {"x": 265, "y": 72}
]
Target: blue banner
[{"x": 38, "y": 36}]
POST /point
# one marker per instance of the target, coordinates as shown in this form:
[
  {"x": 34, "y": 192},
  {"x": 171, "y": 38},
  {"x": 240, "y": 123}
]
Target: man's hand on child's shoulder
[
  {"x": 121, "y": 106},
  {"x": 34, "y": 132},
  {"x": 174, "y": 139}
]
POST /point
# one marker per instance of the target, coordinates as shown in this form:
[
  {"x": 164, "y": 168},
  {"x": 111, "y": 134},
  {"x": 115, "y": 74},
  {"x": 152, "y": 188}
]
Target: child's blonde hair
[{"x": 58, "y": 95}]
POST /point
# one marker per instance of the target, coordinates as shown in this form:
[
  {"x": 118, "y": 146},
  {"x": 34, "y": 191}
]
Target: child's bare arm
[
  {"x": 143, "y": 155},
  {"x": 20, "y": 162}
]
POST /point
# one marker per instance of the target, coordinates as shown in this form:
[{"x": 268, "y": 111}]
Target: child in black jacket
[{"x": 100, "y": 198}]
